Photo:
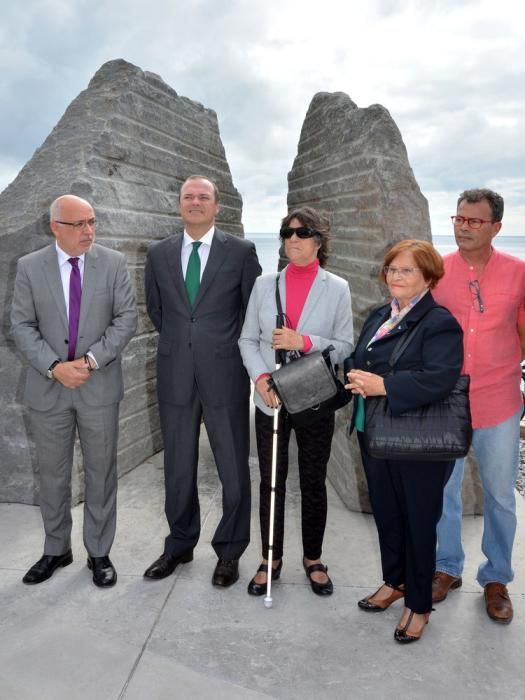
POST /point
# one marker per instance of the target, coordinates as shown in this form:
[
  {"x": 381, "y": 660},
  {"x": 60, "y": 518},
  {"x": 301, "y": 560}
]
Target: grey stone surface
[
  {"x": 126, "y": 144},
  {"x": 352, "y": 164},
  {"x": 182, "y": 638}
]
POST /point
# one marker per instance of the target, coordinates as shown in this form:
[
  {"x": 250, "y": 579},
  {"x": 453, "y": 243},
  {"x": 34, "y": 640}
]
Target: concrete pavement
[{"x": 182, "y": 638}]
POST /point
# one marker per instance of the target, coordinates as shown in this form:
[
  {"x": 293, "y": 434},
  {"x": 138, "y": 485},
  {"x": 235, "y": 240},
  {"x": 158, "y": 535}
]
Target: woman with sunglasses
[
  {"x": 317, "y": 314},
  {"x": 406, "y": 496}
]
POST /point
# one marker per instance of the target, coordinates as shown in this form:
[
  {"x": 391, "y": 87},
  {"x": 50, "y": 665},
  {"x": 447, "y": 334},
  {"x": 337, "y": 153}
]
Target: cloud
[{"x": 450, "y": 73}]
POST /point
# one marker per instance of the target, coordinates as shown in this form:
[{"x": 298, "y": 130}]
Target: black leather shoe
[
  {"x": 385, "y": 603},
  {"x": 326, "y": 588},
  {"x": 46, "y": 566},
  {"x": 226, "y": 572},
  {"x": 104, "y": 574},
  {"x": 255, "y": 588},
  {"x": 166, "y": 564}
]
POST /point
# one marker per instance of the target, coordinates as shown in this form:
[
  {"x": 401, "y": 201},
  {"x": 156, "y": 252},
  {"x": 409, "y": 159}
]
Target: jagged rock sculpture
[
  {"x": 125, "y": 144},
  {"x": 352, "y": 164}
]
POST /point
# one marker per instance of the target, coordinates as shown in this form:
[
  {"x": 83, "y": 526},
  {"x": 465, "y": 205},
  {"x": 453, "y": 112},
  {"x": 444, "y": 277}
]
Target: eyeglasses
[
  {"x": 403, "y": 272},
  {"x": 78, "y": 225},
  {"x": 477, "y": 301},
  {"x": 303, "y": 232},
  {"x": 472, "y": 223}
]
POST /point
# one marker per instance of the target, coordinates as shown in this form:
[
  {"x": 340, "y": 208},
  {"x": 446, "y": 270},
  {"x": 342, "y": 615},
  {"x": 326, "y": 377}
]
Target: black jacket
[{"x": 429, "y": 367}]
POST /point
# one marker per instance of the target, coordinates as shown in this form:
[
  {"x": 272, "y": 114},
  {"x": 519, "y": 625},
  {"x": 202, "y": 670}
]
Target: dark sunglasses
[{"x": 303, "y": 232}]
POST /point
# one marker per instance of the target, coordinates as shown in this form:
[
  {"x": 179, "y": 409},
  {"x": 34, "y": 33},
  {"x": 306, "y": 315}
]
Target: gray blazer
[
  {"x": 326, "y": 318},
  {"x": 39, "y": 324}
]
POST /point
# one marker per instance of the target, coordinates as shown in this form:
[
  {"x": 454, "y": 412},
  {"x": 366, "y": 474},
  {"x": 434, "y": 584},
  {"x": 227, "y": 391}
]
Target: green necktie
[{"x": 193, "y": 273}]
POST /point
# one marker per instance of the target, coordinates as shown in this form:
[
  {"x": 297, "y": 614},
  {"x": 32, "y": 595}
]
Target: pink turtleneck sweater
[{"x": 299, "y": 280}]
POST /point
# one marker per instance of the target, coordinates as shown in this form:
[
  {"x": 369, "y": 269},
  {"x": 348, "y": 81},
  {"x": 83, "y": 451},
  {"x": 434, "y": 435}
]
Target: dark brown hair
[{"x": 318, "y": 222}]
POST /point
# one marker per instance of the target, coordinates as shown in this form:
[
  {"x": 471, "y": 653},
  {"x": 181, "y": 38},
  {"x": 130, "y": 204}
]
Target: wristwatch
[{"x": 49, "y": 372}]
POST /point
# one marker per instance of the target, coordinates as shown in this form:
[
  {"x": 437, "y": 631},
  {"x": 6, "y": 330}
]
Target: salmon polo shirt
[{"x": 490, "y": 338}]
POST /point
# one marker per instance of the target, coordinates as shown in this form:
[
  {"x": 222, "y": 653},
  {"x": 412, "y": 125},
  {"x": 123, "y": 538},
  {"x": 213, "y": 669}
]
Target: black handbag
[
  {"x": 438, "y": 432},
  {"x": 306, "y": 384}
]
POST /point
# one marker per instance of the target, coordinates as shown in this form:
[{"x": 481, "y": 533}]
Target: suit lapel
[
  {"x": 175, "y": 266},
  {"x": 380, "y": 316},
  {"x": 312, "y": 298},
  {"x": 412, "y": 317},
  {"x": 89, "y": 284},
  {"x": 54, "y": 280}
]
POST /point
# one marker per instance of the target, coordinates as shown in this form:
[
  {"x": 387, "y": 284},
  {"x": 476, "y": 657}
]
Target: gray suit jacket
[
  {"x": 326, "y": 318},
  {"x": 39, "y": 324},
  {"x": 198, "y": 346}
]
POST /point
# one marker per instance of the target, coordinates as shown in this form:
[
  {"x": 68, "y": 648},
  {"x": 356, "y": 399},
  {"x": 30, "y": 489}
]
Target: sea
[{"x": 268, "y": 246}]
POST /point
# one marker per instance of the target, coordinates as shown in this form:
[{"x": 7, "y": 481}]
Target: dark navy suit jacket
[{"x": 429, "y": 367}]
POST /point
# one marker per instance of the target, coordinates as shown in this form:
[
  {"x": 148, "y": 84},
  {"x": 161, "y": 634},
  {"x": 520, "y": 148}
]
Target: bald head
[
  {"x": 65, "y": 200},
  {"x": 72, "y": 221}
]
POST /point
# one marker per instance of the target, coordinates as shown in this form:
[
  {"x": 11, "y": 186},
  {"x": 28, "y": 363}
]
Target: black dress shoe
[
  {"x": 255, "y": 588},
  {"x": 226, "y": 572},
  {"x": 104, "y": 574},
  {"x": 326, "y": 588},
  {"x": 166, "y": 565},
  {"x": 46, "y": 566}
]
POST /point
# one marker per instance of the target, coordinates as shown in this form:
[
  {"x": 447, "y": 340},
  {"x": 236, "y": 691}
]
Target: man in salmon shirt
[{"x": 485, "y": 290}]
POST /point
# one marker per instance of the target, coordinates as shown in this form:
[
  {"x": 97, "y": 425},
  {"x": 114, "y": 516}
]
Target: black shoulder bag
[
  {"x": 306, "y": 383},
  {"x": 438, "y": 432}
]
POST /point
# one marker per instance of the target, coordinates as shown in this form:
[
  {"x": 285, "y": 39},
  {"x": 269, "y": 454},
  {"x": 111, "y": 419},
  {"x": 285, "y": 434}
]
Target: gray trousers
[{"x": 54, "y": 433}]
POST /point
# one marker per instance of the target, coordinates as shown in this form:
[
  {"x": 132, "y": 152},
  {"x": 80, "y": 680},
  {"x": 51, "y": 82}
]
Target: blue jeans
[{"x": 497, "y": 454}]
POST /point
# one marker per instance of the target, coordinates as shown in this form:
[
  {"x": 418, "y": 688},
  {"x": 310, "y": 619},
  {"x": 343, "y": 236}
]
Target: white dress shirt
[
  {"x": 203, "y": 250},
  {"x": 65, "y": 273}
]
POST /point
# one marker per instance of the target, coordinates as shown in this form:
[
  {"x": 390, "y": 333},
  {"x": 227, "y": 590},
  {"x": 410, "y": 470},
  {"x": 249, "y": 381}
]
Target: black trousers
[
  {"x": 407, "y": 500},
  {"x": 314, "y": 443}
]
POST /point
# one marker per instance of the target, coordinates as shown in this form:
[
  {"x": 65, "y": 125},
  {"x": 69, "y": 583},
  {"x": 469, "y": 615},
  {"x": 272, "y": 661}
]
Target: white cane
[{"x": 268, "y": 598}]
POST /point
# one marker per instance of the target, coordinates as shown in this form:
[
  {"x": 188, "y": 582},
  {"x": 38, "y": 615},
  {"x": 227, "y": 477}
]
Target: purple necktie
[{"x": 75, "y": 292}]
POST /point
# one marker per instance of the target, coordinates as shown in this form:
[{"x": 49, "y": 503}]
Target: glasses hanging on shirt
[{"x": 477, "y": 301}]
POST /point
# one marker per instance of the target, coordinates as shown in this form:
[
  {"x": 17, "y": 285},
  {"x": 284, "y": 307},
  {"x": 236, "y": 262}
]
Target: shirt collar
[
  {"x": 396, "y": 311},
  {"x": 206, "y": 239},
  {"x": 63, "y": 257}
]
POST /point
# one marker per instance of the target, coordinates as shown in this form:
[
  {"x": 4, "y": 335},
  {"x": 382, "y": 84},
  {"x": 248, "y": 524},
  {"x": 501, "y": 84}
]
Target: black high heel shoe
[
  {"x": 255, "y": 588},
  {"x": 396, "y": 594},
  {"x": 400, "y": 633},
  {"x": 326, "y": 588}
]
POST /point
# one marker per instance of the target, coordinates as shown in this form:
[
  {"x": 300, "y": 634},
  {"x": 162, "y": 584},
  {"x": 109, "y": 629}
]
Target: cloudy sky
[{"x": 451, "y": 73}]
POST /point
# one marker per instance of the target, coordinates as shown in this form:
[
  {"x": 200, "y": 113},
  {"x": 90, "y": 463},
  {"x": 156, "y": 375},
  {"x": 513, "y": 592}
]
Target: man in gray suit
[
  {"x": 73, "y": 313},
  {"x": 198, "y": 283}
]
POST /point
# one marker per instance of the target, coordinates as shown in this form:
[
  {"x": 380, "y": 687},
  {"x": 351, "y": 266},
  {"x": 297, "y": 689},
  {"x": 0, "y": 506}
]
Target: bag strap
[
  {"x": 281, "y": 355},
  {"x": 405, "y": 340}
]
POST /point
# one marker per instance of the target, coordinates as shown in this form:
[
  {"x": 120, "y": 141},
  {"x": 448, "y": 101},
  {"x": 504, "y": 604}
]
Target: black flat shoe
[
  {"x": 104, "y": 573},
  {"x": 396, "y": 594},
  {"x": 46, "y": 566},
  {"x": 166, "y": 564},
  {"x": 326, "y": 588},
  {"x": 226, "y": 572},
  {"x": 255, "y": 588}
]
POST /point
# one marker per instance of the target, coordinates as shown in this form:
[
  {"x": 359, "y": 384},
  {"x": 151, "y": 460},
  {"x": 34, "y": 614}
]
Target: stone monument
[
  {"x": 352, "y": 164},
  {"x": 126, "y": 144}
]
